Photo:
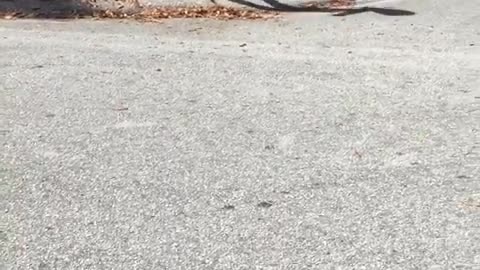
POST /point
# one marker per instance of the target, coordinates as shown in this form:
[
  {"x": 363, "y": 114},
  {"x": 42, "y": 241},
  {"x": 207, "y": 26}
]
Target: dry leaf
[{"x": 155, "y": 14}]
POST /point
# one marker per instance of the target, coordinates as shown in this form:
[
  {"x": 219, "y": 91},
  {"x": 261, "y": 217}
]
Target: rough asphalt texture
[{"x": 309, "y": 142}]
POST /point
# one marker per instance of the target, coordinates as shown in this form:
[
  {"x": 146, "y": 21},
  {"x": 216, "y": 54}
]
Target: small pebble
[
  {"x": 265, "y": 204},
  {"x": 228, "y": 207}
]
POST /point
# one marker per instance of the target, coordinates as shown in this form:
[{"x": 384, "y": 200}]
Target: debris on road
[
  {"x": 212, "y": 12},
  {"x": 154, "y": 14},
  {"x": 265, "y": 204}
]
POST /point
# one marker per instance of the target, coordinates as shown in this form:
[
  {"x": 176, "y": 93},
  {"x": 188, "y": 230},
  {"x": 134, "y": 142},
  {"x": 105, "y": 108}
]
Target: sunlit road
[{"x": 308, "y": 142}]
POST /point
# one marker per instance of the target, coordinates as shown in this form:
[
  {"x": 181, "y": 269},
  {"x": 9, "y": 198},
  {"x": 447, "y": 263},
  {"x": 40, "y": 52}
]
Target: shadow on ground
[
  {"x": 120, "y": 9},
  {"x": 48, "y": 9},
  {"x": 67, "y": 9},
  {"x": 274, "y": 5}
]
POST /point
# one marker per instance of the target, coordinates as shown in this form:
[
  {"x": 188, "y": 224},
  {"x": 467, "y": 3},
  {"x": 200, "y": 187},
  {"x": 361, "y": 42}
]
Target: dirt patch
[{"x": 127, "y": 9}]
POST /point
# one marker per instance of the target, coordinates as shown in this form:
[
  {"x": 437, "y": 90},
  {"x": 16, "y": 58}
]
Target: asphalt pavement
[{"x": 311, "y": 141}]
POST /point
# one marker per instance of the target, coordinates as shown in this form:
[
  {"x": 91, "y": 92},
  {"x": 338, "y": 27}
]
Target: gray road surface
[{"x": 309, "y": 142}]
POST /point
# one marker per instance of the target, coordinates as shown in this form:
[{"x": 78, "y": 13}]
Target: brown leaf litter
[
  {"x": 152, "y": 14},
  {"x": 190, "y": 12}
]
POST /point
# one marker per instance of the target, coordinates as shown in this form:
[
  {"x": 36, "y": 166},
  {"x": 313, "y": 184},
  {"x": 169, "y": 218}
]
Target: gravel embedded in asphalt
[{"x": 309, "y": 142}]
